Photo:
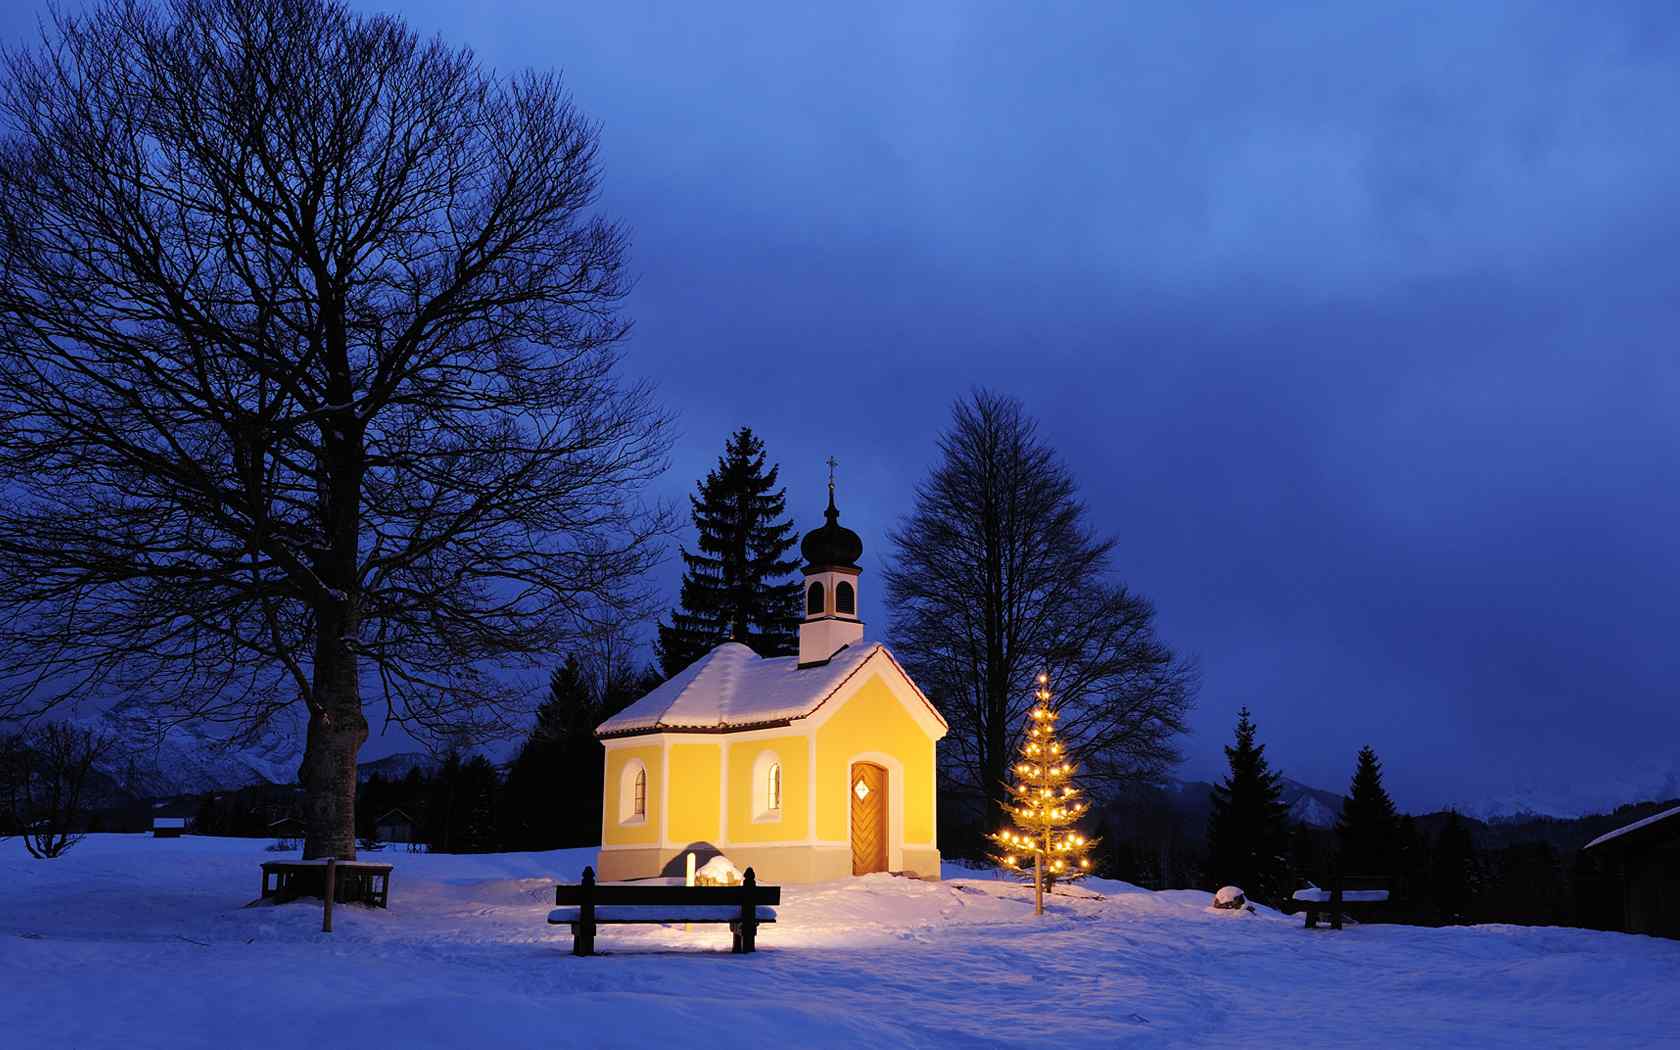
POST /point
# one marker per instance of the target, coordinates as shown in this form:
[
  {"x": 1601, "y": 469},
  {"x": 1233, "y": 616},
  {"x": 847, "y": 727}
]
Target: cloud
[{"x": 1357, "y": 322}]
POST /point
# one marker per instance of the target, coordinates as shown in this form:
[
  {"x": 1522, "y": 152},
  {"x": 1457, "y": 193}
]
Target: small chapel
[{"x": 806, "y": 768}]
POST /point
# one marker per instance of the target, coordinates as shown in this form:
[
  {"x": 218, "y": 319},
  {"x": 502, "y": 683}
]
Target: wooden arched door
[{"x": 869, "y": 818}]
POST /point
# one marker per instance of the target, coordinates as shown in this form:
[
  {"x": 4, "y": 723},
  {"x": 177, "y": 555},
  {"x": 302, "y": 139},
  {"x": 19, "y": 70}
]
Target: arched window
[
  {"x": 844, "y": 599},
  {"x": 632, "y": 793},
  {"x": 814, "y": 599},
  {"x": 767, "y": 786}
]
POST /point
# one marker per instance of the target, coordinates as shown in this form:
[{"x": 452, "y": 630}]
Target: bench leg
[
  {"x": 583, "y": 942},
  {"x": 745, "y": 937},
  {"x": 1336, "y": 919},
  {"x": 1312, "y": 919}
]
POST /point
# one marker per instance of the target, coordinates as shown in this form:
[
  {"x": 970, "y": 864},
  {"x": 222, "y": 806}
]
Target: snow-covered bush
[
  {"x": 1229, "y": 897},
  {"x": 718, "y": 872}
]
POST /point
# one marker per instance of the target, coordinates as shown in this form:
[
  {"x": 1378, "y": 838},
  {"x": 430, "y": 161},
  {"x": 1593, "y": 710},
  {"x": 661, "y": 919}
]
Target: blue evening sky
[{"x": 1357, "y": 326}]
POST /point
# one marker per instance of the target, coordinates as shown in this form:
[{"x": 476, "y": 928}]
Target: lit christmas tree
[{"x": 1046, "y": 807}]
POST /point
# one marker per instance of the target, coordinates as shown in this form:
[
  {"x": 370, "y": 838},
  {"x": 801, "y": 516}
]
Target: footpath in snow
[{"x": 130, "y": 942}]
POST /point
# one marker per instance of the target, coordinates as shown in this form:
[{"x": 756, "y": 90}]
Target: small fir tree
[
  {"x": 552, "y": 798},
  {"x": 1454, "y": 872},
  {"x": 474, "y": 815},
  {"x": 1045, "y": 808},
  {"x": 1366, "y": 828},
  {"x": 440, "y": 804},
  {"x": 1411, "y": 862},
  {"x": 733, "y": 588},
  {"x": 1248, "y": 828}
]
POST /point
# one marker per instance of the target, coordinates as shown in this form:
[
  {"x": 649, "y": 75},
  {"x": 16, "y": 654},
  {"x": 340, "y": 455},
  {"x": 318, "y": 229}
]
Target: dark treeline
[
  {"x": 1444, "y": 867},
  {"x": 548, "y": 796}
]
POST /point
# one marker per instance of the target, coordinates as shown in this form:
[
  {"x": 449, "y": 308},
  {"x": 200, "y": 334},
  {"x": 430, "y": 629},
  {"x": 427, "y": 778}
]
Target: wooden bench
[
  {"x": 588, "y": 906},
  {"x": 356, "y": 882},
  {"x": 1357, "y": 895}
]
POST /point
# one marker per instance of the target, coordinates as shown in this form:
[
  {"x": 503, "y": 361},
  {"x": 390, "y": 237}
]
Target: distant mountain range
[
  {"x": 1307, "y": 804},
  {"x": 188, "y": 760},
  {"x": 1566, "y": 799},
  {"x": 397, "y": 766}
]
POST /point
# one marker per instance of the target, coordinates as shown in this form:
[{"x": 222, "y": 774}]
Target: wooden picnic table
[
  {"x": 1360, "y": 896},
  {"x": 357, "y": 881}
]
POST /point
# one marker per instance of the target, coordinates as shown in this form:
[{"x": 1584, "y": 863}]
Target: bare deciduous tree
[
  {"x": 46, "y": 775},
  {"x": 308, "y": 378},
  {"x": 995, "y": 576}
]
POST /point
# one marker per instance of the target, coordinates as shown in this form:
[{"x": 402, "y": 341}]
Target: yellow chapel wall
[
  {"x": 613, "y": 831},
  {"x": 792, "y": 750},
  {"x": 696, "y": 780},
  {"x": 874, "y": 720}
]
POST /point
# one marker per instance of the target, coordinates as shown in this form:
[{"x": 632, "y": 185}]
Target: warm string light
[{"x": 1044, "y": 844}]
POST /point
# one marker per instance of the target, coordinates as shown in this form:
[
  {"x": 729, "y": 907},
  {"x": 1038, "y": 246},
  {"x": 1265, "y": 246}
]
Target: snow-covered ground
[{"x": 132, "y": 942}]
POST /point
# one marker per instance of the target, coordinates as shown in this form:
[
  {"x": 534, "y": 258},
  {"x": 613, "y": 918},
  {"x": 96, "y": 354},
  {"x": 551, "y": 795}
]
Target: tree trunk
[{"x": 337, "y": 729}]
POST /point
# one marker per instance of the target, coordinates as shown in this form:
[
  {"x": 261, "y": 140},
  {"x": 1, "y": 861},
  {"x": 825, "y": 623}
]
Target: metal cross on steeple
[{"x": 832, "y": 463}]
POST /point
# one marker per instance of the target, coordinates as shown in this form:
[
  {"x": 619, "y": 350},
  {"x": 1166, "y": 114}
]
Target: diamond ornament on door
[{"x": 861, "y": 790}]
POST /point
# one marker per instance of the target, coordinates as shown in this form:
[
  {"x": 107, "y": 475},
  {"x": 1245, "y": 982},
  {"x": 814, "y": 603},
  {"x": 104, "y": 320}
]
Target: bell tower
[{"x": 831, "y": 571}]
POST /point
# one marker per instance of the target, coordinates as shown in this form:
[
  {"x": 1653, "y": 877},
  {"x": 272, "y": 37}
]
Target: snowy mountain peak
[{"x": 1656, "y": 781}]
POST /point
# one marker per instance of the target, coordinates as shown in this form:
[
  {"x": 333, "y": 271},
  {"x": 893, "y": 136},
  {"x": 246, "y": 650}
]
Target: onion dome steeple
[
  {"x": 832, "y": 544},
  {"x": 831, "y": 577}
]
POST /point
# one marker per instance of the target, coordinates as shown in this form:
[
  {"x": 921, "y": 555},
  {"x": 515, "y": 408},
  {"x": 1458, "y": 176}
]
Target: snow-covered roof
[
  {"x": 733, "y": 687},
  {"x": 1635, "y": 826}
]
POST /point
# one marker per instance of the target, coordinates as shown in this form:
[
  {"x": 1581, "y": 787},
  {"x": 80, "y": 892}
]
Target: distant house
[
  {"x": 171, "y": 820},
  {"x": 394, "y": 826},
  {"x": 1643, "y": 859}
]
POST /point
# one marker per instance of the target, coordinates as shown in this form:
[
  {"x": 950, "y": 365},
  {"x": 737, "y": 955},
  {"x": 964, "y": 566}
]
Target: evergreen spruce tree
[
  {"x": 1248, "y": 830},
  {"x": 474, "y": 815},
  {"x": 1411, "y": 864},
  {"x": 373, "y": 800},
  {"x": 552, "y": 797},
  {"x": 733, "y": 588},
  {"x": 541, "y": 799},
  {"x": 1454, "y": 871},
  {"x": 1367, "y": 825},
  {"x": 440, "y": 805}
]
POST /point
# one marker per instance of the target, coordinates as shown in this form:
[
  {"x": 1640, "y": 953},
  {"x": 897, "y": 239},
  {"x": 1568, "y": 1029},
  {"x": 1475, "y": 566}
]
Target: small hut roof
[{"x": 1638, "y": 829}]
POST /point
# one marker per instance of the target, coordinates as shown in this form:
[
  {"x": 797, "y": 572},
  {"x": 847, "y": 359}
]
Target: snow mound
[{"x": 718, "y": 872}]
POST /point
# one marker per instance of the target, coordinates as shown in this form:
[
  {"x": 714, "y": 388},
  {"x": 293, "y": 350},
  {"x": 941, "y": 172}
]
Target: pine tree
[
  {"x": 730, "y": 589},
  {"x": 474, "y": 812},
  {"x": 556, "y": 770},
  {"x": 1411, "y": 862},
  {"x": 1248, "y": 830},
  {"x": 1454, "y": 871},
  {"x": 1366, "y": 827},
  {"x": 440, "y": 805},
  {"x": 552, "y": 797},
  {"x": 1045, "y": 808}
]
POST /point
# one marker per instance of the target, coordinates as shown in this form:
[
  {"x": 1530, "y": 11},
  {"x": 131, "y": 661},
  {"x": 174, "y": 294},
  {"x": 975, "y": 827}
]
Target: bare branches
[
  {"x": 308, "y": 334},
  {"x": 45, "y": 780},
  {"x": 996, "y": 577}
]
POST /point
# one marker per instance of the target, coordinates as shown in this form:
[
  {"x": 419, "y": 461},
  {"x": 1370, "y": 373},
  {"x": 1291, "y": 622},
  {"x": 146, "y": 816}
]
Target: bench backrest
[
  {"x": 1365, "y": 882},
  {"x": 588, "y": 892}
]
